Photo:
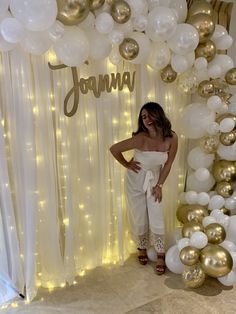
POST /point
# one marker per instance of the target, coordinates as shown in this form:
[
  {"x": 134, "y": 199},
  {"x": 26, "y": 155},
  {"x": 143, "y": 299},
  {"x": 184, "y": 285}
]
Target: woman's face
[{"x": 147, "y": 120}]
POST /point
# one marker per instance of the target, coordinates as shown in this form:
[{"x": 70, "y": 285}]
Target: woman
[{"x": 155, "y": 146}]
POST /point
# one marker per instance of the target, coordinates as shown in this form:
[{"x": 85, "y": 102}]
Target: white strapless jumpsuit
[{"x": 145, "y": 215}]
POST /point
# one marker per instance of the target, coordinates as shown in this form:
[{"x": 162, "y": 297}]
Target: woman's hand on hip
[{"x": 133, "y": 165}]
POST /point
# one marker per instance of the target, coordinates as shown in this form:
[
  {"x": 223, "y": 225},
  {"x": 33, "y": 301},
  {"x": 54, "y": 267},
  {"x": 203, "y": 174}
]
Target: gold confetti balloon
[
  {"x": 209, "y": 143},
  {"x": 193, "y": 276},
  {"x": 215, "y": 260}
]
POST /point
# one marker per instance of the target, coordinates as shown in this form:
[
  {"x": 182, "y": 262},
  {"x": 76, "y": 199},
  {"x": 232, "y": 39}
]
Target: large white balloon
[
  {"x": 4, "y": 45},
  {"x": 73, "y": 48},
  {"x": 36, "y": 43},
  {"x": 35, "y": 15},
  {"x": 198, "y": 159},
  {"x": 144, "y": 47},
  {"x": 3, "y": 7},
  {"x": 199, "y": 186},
  {"x": 159, "y": 56},
  {"x": 181, "y": 8},
  {"x": 182, "y": 243},
  {"x": 202, "y": 174},
  {"x": 12, "y": 30},
  {"x": 100, "y": 45},
  {"x": 184, "y": 40},
  {"x": 194, "y": 120},
  {"x": 173, "y": 261},
  {"x": 104, "y": 23}
]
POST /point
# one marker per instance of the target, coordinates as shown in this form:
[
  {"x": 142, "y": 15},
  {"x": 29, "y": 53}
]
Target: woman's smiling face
[{"x": 147, "y": 120}]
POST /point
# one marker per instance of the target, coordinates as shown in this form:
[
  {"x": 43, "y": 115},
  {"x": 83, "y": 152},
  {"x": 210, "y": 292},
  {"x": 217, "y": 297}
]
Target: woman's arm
[
  {"x": 157, "y": 190},
  {"x": 123, "y": 146}
]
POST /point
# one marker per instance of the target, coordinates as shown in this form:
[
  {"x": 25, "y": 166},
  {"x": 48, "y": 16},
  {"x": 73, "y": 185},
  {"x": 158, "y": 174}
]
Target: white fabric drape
[{"x": 62, "y": 200}]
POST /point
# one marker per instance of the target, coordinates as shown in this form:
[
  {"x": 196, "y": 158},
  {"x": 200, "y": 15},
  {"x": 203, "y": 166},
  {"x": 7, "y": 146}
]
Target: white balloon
[
  {"x": 5, "y": 46},
  {"x": 181, "y": 8},
  {"x": 214, "y": 71},
  {"x": 224, "y": 42},
  {"x": 231, "y": 231},
  {"x": 230, "y": 203},
  {"x": 36, "y": 43},
  {"x": 229, "y": 279},
  {"x": 114, "y": 56},
  {"x": 104, "y": 23},
  {"x": 200, "y": 63},
  {"x": 56, "y": 31},
  {"x": 116, "y": 37},
  {"x": 213, "y": 128},
  {"x": 191, "y": 197},
  {"x": 101, "y": 44},
  {"x": 33, "y": 14},
  {"x": 224, "y": 61},
  {"x": 152, "y": 254},
  {"x": 208, "y": 220},
  {"x": 173, "y": 261},
  {"x": 162, "y": 22},
  {"x": 227, "y": 125},
  {"x": 182, "y": 243},
  {"x": 202, "y": 174},
  {"x": 73, "y": 48},
  {"x": 138, "y": 7},
  {"x": 199, "y": 186},
  {"x": 140, "y": 23},
  {"x": 159, "y": 56},
  {"x": 197, "y": 158},
  {"x": 194, "y": 120},
  {"x": 223, "y": 221},
  {"x": 229, "y": 246},
  {"x": 88, "y": 23},
  {"x": 12, "y": 30},
  {"x": 184, "y": 40},
  {"x": 3, "y": 7},
  {"x": 179, "y": 63},
  {"x": 216, "y": 202},
  {"x": 203, "y": 198},
  {"x": 226, "y": 152},
  {"x": 214, "y": 103},
  {"x": 219, "y": 31},
  {"x": 198, "y": 239},
  {"x": 125, "y": 28}
]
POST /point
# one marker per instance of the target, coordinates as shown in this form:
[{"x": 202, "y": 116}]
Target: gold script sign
[{"x": 83, "y": 85}]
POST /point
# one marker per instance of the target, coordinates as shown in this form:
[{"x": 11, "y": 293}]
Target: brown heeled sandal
[
  {"x": 161, "y": 266},
  {"x": 143, "y": 259}
]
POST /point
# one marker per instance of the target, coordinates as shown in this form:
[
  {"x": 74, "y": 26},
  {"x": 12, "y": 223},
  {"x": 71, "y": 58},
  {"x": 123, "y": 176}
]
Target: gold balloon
[
  {"x": 209, "y": 143},
  {"x": 190, "y": 227},
  {"x": 224, "y": 189},
  {"x": 129, "y": 49},
  {"x": 228, "y": 138},
  {"x": 200, "y": 6},
  {"x": 72, "y": 12},
  {"x": 191, "y": 212},
  {"x": 230, "y": 76},
  {"x": 225, "y": 211},
  {"x": 206, "y": 89},
  {"x": 206, "y": 50},
  {"x": 224, "y": 170},
  {"x": 187, "y": 82},
  {"x": 225, "y": 115},
  {"x": 215, "y": 233},
  {"x": 193, "y": 276},
  {"x": 120, "y": 11},
  {"x": 204, "y": 24},
  {"x": 168, "y": 75},
  {"x": 96, "y": 4},
  {"x": 189, "y": 255},
  {"x": 215, "y": 260}
]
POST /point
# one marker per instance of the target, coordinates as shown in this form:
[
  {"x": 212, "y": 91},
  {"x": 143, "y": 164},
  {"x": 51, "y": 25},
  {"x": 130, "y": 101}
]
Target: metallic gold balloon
[
  {"x": 206, "y": 50},
  {"x": 230, "y": 76},
  {"x": 191, "y": 212},
  {"x": 96, "y": 4},
  {"x": 129, "y": 49},
  {"x": 193, "y": 276},
  {"x": 200, "y": 6},
  {"x": 224, "y": 170},
  {"x": 215, "y": 260},
  {"x": 168, "y": 75},
  {"x": 209, "y": 143},
  {"x": 190, "y": 227},
  {"x": 204, "y": 24},
  {"x": 72, "y": 12},
  {"x": 215, "y": 233},
  {"x": 228, "y": 138},
  {"x": 224, "y": 189},
  {"x": 225, "y": 211},
  {"x": 120, "y": 11},
  {"x": 189, "y": 255},
  {"x": 206, "y": 89}
]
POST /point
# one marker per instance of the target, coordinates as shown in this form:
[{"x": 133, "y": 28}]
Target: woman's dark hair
[{"x": 157, "y": 113}]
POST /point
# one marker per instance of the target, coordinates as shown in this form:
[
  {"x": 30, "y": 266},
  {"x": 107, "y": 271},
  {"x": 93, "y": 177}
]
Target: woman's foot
[
  {"x": 160, "y": 265},
  {"x": 142, "y": 256}
]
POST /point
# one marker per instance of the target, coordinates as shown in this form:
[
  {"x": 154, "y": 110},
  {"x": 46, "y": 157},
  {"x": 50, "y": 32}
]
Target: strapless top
[{"x": 150, "y": 159}]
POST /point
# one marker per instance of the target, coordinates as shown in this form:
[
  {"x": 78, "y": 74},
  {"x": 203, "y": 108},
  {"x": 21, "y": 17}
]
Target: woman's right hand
[{"x": 133, "y": 165}]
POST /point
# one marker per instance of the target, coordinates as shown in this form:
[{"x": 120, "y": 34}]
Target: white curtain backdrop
[{"x": 62, "y": 201}]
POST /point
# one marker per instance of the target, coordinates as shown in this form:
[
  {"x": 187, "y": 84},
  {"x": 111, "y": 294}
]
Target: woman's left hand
[{"x": 157, "y": 193}]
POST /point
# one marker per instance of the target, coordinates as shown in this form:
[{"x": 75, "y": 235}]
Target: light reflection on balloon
[{"x": 72, "y": 12}]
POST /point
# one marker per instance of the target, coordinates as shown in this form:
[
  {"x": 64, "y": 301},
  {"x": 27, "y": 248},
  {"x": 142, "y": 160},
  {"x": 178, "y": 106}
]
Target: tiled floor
[{"x": 132, "y": 289}]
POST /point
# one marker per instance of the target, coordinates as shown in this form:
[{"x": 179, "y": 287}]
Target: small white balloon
[
  {"x": 214, "y": 103},
  {"x": 202, "y": 174},
  {"x": 200, "y": 63},
  {"x": 216, "y": 202},
  {"x": 182, "y": 243},
  {"x": 203, "y": 198},
  {"x": 12, "y": 30},
  {"x": 216, "y": 213},
  {"x": 229, "y": 279},
  {"x": 198, "y": 239},
  {"x": 230, "y": 203},
  {"x": 56, "y": 31},
  {"x": 191, "y": 197},
  {"x": 104, "y": 23},
  {"x": 173, "y": 261},
  {"x": 116, "y": 37},
  {"x": 227, "y": 125},
  {"x": 213, "y": 128},
  {"x": 208, "y": 220}
]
